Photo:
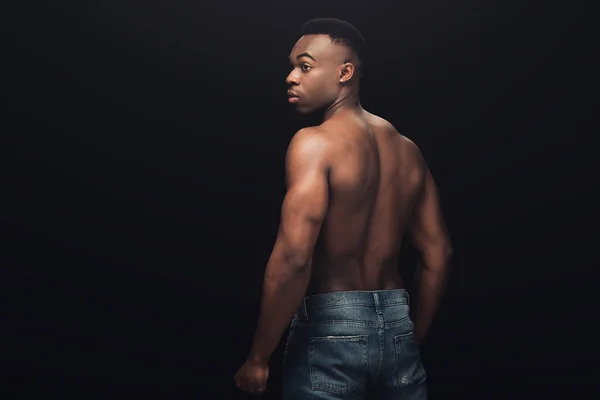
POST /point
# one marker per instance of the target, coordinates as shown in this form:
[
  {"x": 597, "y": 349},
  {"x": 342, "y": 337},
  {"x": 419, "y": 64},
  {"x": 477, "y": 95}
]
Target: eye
[{"x": 306, "y": 67}]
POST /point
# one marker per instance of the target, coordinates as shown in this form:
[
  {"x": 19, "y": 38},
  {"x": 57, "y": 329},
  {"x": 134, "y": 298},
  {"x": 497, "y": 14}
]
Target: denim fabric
[{"x": 353, "y": 345}]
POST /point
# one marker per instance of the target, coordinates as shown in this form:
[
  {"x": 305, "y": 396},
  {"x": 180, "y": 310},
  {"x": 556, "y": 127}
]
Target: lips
[{"x": 292, "y": 94}]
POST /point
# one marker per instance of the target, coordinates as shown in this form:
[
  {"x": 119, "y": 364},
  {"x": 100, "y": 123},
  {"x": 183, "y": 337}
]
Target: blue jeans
[{"x": 353, "y": 345}]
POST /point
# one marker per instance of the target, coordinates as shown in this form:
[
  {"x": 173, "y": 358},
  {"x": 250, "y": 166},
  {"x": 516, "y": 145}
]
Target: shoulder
[
  {"x": 406, "y": 143},
  {"x": 311, "y": 142},
  {"x": 407, "y": 149},
  {"x": 381, "y": 124},
  {"x": 410, "y": 146},
  {"x": 407, "y": 146}
]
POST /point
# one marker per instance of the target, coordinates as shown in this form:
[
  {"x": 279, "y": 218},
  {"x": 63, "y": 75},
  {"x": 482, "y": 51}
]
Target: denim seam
[
  {"x": 332, "y": 388},
  {"x": 312, "y": 324},
  {"x": 421, "y": 375},
  {"x": 342, "y": 303}
]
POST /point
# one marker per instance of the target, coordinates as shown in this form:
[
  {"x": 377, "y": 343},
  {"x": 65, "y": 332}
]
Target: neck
[{"x": 347, "y": 101}]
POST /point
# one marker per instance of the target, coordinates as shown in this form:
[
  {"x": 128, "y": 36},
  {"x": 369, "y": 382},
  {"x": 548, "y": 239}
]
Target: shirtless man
[{"x": 354, "y": 187}]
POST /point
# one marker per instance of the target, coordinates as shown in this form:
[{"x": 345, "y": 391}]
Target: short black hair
[{"x": 341, "y": 32}]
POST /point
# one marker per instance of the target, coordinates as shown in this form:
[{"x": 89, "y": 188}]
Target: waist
[
  {"x": 346, "y": 277},
  {"x": 372, "y": 298},
  {"x": 370, "y": 307}
]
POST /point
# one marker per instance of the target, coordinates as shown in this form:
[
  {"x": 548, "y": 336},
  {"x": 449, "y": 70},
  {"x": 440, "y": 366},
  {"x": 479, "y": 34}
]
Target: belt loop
[
  {"x": 304, "y": 310},
  {"x": 377, "y": 303}
]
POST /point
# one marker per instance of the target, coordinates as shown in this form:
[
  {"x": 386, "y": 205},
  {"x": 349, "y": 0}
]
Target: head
[{"x": 327, "y": 61}]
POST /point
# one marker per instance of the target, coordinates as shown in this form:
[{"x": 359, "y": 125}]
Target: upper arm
[
  {"x": 428, "y": 228},
  {"x": 306, "y": 201}
]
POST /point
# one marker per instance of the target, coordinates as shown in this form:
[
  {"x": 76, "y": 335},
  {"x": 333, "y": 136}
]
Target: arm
[
  {"x": 430, "y": 237},
  {"x": 288, "y": 270}
]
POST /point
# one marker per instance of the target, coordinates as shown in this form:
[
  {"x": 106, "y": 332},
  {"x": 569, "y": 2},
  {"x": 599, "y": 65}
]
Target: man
[{"x": 355, "y": 185}]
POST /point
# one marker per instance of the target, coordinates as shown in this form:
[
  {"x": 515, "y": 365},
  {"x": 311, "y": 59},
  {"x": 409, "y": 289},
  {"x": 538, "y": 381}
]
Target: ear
[{"x": 346, "y": 72}]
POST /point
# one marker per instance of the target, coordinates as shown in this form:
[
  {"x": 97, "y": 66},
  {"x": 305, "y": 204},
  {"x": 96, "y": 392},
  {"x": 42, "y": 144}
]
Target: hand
[{"x": 252, "y": 377}]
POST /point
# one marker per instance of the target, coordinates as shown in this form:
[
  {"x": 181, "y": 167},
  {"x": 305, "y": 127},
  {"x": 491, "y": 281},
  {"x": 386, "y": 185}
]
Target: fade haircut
[{"x": 340, "y": 32}]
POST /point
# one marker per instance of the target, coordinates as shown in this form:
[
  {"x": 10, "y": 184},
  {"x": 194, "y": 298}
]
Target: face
[{"x": 318, "y": 74}]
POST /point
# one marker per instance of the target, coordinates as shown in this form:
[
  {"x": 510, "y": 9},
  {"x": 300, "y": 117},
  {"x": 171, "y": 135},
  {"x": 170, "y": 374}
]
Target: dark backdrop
[{"x": 145, "y": 147}]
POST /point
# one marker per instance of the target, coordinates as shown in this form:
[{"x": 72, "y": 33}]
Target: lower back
[{"x": 349, "y": 276}]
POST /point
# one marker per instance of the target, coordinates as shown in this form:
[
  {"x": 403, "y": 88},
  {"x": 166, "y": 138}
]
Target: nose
[{"x": 292, "y": 79}]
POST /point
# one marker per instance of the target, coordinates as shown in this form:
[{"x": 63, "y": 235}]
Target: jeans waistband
[{"x": 375, "y": 298}]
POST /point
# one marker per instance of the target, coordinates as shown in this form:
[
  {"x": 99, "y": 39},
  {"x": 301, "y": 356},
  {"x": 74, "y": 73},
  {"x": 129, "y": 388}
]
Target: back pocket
[
  {"x": 338, "y": 364},
  {"x": 408, "y": 369}
]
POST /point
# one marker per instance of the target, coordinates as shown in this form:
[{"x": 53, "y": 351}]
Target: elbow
[
  {"x": 448, "y": 251},
  {"x": 436, "y": 257},
  {"x": 445, "y": 251},
  {"x": 297, "y": 262},
  {"x": 296, "y": 252}
]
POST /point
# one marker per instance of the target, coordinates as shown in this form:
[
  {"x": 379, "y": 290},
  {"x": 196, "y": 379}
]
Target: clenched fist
[{"x": 252, "y": 377}]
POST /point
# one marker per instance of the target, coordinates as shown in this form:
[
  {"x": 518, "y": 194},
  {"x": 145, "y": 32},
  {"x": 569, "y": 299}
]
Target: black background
[{"x": 145, "y": 144}]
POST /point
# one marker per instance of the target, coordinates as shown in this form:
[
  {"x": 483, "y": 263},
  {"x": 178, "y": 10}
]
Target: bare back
[{"x": 375, "y": 180}]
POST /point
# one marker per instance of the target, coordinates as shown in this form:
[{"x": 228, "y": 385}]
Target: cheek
[{"x": 323, "y": 82}]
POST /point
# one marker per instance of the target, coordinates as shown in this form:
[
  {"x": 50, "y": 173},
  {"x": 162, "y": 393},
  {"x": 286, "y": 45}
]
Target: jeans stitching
[
  {"x": 420, "y": 374},
  {"x": 343, "y": 389}
]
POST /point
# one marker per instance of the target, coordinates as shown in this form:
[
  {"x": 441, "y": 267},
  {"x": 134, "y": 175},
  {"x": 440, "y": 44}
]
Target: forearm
[
  {"x": 431, "y": 286},
  {"x": 284, "y": 288}
]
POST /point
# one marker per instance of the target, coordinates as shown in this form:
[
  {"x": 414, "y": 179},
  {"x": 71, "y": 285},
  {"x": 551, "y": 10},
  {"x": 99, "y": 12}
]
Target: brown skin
[{"x": 355, "y": 187}]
